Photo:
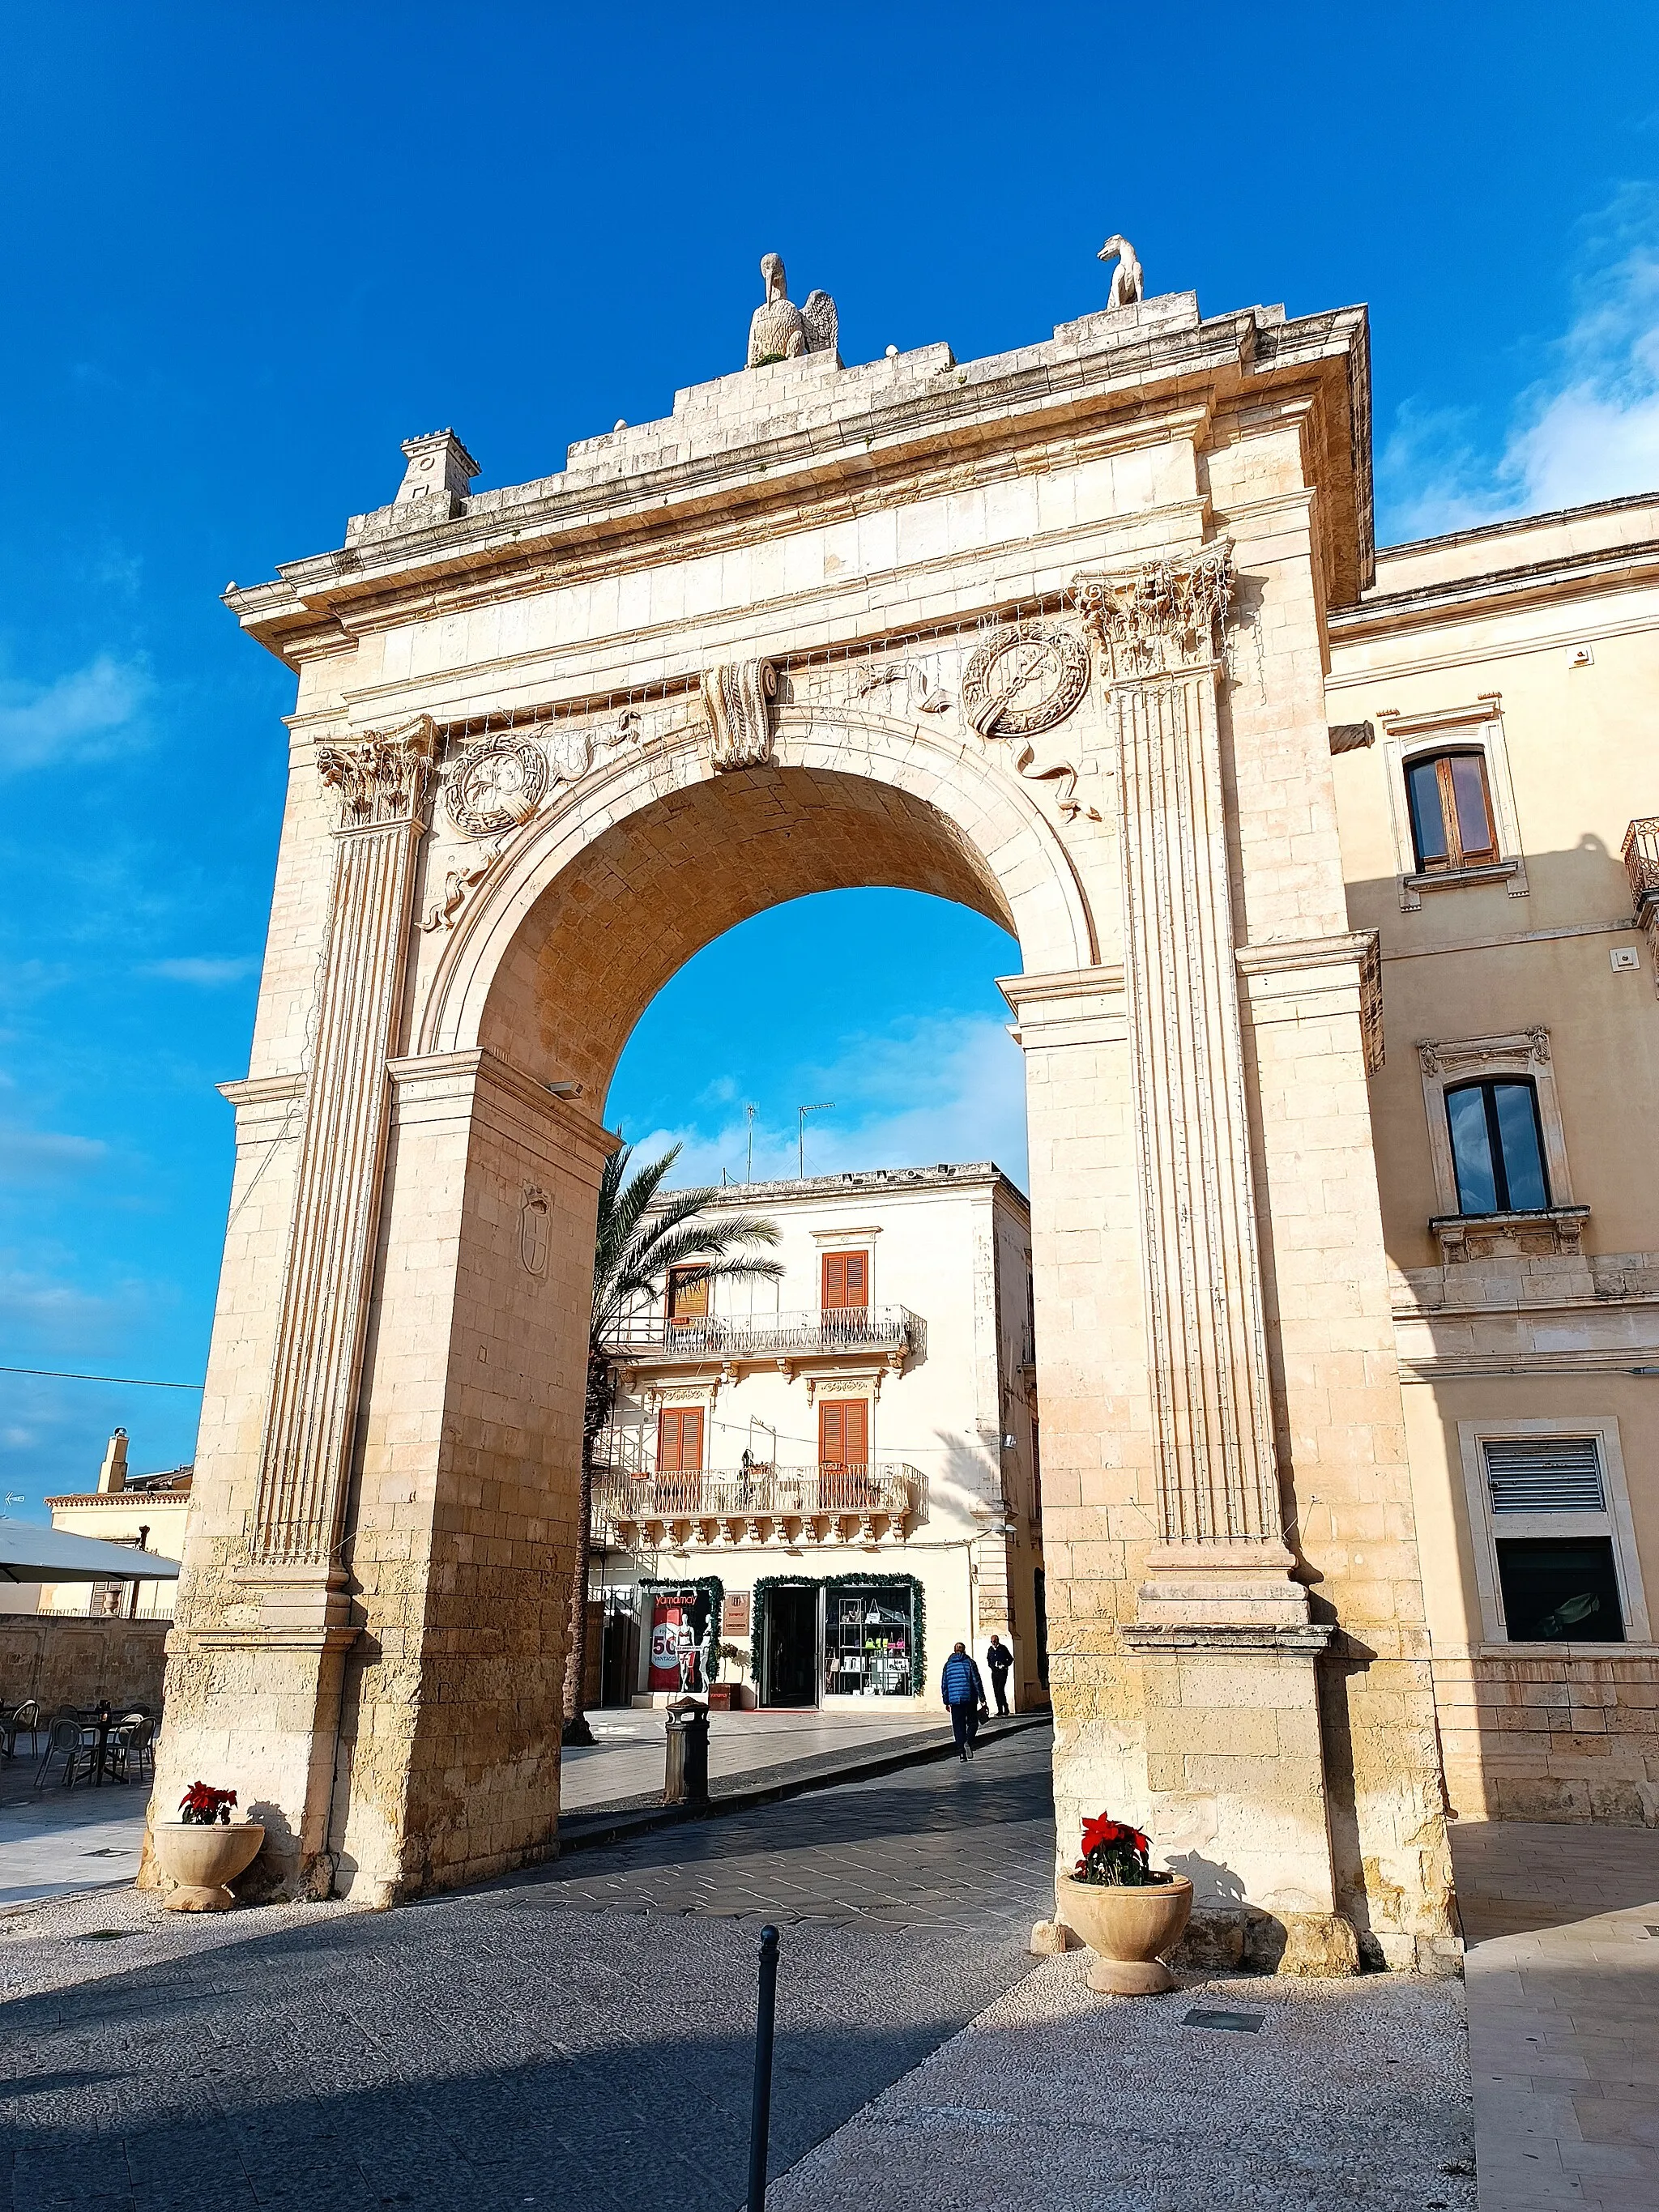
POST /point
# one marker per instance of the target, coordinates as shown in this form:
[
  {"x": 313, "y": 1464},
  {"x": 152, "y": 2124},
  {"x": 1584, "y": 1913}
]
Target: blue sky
[{"x": 247, "y": 250}]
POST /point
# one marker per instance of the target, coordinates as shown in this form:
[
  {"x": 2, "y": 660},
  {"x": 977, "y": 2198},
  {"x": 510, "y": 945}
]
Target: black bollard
[{"x": 760, "y": 2120}]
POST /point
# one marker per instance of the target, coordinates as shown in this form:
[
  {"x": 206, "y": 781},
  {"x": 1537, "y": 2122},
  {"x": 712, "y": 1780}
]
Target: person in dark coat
[
  {"x": 964, "y": 1693},
  {"x": 999, "y": 1658}
]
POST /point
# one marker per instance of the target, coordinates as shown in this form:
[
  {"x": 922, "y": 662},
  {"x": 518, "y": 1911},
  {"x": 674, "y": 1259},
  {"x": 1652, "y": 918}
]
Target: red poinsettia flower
[
  {"x": 1100, "y": 1833},
  {"x": 204, "y": 1804}
]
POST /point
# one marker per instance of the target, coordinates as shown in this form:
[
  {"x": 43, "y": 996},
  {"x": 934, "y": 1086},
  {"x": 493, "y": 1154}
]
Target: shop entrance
[{"x": 791, "y": 1645}]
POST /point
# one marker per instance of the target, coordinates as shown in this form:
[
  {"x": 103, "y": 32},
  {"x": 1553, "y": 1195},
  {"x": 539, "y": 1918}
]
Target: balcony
[
  {"x": 759, "y": 1506},
  {"x": 730, "y": 1341},
  {"x": 1641, "y": 857}
]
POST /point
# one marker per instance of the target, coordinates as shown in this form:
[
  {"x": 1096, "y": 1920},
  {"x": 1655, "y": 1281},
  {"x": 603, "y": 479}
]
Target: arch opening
[{"x": 652, "y": 890}]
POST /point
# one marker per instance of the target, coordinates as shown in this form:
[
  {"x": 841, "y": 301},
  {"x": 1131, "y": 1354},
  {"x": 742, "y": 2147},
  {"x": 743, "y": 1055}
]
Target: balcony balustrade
[
  {"x": 1641, "y": 856},
  {"x": 760, "y": 1504},
  {"x": 735, "y": 1338}
]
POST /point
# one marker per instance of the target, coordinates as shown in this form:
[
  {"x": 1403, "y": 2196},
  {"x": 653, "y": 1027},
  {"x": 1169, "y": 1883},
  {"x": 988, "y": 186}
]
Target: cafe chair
[{"x": 69, "y": 1741}]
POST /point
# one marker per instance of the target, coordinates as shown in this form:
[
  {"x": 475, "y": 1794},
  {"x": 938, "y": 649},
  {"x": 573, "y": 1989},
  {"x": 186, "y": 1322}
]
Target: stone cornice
[
  {"x": 1621, "y": 568},
  {"x": 1070, "y": 387},
  {"x": 455, "y": 1077},
  {"x": 263, "y": 1089}
]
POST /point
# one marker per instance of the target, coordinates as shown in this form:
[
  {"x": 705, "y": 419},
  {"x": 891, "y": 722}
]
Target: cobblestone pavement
[
  {"x": 1562, "y": 1923},
  {"x": 579, "y": 2037}
]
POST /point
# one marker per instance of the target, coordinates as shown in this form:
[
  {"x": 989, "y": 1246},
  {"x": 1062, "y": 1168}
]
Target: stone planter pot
[
  {"x": 204, "y": 1860},
  {"x": 1127, "y": 1929}
]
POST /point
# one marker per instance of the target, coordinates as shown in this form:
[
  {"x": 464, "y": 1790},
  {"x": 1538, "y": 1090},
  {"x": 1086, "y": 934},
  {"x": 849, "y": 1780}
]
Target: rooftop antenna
[
  {"x": 828, "y": 1106},
  {"x": 749, "y": 1115}
]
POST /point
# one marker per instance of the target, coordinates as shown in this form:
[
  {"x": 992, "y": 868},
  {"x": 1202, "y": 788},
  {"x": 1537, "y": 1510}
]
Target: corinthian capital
[
  {"x": 380, "y": 776},
  {"x": 1163, "y": 617}
]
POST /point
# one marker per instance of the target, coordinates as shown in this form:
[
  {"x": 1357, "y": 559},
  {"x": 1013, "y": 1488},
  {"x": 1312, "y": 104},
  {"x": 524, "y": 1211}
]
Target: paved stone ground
[
  {"x": 578, "y": 2037},
  {"x": 1351, "y": 2093},
  {"x": 941, "y": 1847},
  {"x": 625, "y": 1766},
  {"x": 1562, "y": 1923},
  {"x": 55, "y": 1839}
]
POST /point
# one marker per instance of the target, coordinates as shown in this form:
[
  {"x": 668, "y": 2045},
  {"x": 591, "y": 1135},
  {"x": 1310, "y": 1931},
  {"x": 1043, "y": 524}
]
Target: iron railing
[
  {"x": 1641, "y": 856},
  {"x": 767, "y": 1336},
  {"x": 775, "y": 1493}
]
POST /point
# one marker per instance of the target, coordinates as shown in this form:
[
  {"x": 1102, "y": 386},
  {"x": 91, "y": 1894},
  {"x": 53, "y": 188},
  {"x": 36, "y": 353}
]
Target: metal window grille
[{"x": 1545, "y": 1475}]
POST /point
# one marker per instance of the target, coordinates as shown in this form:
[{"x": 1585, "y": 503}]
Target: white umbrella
[{"x": 29, "y": 1554}]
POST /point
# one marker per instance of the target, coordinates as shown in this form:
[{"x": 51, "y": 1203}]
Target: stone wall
[
  {"x": 1563, "y": 1737},
  {"x": 74, "y": 1661}
]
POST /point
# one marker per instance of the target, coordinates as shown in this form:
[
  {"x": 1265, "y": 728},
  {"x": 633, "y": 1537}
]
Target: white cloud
[
  {"x": 28, "y": 1155},
  {"x": 210, "y": 974},
  {"x": 53, "y": 1310},
  {"x": 80, "y": 716},
  {"x": 951, "y": 1088},
  {"x": 1588, "y": 428}
]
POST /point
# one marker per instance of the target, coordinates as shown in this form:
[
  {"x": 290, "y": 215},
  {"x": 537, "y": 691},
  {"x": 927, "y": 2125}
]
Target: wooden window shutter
[
  {"x": 846, "y": 1280},
  {"x": 843, "y": 1431},
  {"x": 857, "y": 1432},
  {"x": 688, "y": 1295},
  {"x": 679, "y": 1441}
]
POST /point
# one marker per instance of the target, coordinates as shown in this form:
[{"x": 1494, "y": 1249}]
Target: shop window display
[{"x": 870, "y": 1643}]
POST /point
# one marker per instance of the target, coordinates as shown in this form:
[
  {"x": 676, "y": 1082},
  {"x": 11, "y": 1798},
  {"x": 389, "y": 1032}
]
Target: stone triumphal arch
[{"x": 1045, "y": 635}]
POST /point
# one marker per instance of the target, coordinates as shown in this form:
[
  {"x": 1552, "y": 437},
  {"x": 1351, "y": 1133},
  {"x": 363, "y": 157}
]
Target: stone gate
[{"x": 1043, "y": 634}]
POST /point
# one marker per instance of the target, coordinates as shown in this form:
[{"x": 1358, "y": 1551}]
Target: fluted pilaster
[
  {"x": 306, "y": 1450},
  {"x": 1158, "y": 629}
]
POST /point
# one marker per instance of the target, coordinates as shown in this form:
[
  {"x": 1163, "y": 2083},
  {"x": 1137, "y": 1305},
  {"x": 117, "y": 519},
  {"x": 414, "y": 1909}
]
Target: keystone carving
[{"x": 737, "y": 698}]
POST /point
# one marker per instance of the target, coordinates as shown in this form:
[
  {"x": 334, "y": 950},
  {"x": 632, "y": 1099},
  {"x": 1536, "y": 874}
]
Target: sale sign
[{"x": 671, "y": 1634}]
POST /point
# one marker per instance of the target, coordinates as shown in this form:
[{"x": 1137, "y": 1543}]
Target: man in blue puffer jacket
[{"x": 964, "y": 1693}]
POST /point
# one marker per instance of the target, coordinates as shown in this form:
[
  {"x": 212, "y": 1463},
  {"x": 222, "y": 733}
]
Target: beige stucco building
[
  {"x": 149, "y": 1511},
  {"x": 1516, "y": 971},
  {"x": 1336, "y": 1102},
  {"x": 833, "y": 1475}
]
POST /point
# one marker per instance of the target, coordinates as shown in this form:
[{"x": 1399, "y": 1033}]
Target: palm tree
[{"x": 637, "y": 1243}]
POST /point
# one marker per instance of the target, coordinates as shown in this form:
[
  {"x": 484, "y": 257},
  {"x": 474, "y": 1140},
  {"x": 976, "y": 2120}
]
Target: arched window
[
  {"x": 1450, "y": 802},
  {"x": 1498, "y": 1147}
]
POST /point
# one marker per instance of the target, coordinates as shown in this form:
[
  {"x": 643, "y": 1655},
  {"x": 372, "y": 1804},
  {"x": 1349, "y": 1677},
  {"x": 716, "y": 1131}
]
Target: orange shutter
[
  {"x": 688, "y": 1295},
  {"x": 846, "y": 1280},
  {"x": 843, "y": 1431},
  {"x": 679, "y": 1441}
]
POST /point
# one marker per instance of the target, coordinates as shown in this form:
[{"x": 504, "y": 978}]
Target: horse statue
[{"x": 1126, "y": 290}]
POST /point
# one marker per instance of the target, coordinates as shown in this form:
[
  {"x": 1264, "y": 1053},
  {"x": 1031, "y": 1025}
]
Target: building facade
[
  {"x": 149, "y": 1511},
  {"x": 1493, "y": 696},
  {"x": 1340, "y": 1215},
  {"x": 813, "y": 1488}
]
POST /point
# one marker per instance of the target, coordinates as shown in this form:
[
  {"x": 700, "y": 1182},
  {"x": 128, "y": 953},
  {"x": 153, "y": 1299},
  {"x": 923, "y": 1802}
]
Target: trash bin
[{"x": 685, "y": 1777}]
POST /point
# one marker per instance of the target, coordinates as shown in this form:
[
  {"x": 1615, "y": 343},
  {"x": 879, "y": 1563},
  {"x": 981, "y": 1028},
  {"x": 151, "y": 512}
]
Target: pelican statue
[{"x": 780, "y": 331}]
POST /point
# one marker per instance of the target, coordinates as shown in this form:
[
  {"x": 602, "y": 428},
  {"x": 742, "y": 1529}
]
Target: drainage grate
[
  {"x": 109, "y": 1851},
  {"x": 1242, "y": 2023}
]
